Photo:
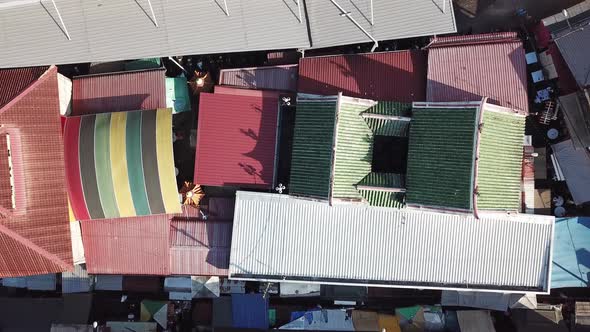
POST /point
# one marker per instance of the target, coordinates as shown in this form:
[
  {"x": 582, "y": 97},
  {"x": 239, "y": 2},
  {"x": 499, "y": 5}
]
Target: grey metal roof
[
  {"x": 283, "y": 238},
  {"x": 77, "y": 281},
  {"x": 31, "y": 32},
  {"x": 575, "y": 49},
  {"x": 393, "y": 19},
  {"x": 108, "y": 30}
]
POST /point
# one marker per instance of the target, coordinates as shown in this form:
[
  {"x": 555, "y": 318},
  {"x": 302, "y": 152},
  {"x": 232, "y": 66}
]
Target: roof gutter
[
  {"x": 347, "y": 14},
  {"x": 334, "y": 144},
  {"x": 478, "y": 129}
]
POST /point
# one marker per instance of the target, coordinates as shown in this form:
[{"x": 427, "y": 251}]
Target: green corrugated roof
[
  {"x": 386, "y": 180},
  {"x": 311, "y": 161},
  {"x": 146, "y": 63},
  {"x": 500, "y": 161},
  {"x": 440, "y": 157},
  {"x": 384, "y": 127},
  {"x": 391, "y": 108},
  {"x": 354, "y": 151}
]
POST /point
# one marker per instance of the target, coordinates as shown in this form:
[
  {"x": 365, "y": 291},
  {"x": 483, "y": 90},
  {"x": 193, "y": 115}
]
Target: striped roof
[
  {"x": 121, "y": 164},
  {"x": 34, "y": 229},
  {"x": 443, "y": 171},
  {"x": 467, "y": 68},
  {"x": 355, "y": 244}
]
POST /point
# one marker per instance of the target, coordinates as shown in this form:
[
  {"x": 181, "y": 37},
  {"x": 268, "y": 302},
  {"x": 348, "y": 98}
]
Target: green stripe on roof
[
  {"x": 311, "y": 161},
  {"x": 102, "y": 155},
  {"x": 136, "y": 181},
  {"x": 386, "y": 180},
  {"x": 354, "y": 151},
  {"x": 391, "y": 108},
  {"x": 500, "y": 161},
  {"x": 383, "y": 198},
  {"x": 440, "y": 157}
]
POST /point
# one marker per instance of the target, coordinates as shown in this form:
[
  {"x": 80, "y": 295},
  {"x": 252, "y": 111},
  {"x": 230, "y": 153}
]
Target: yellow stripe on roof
[
  {"x": 166, "y": 160},
  {"x": 119, "y": 164}
]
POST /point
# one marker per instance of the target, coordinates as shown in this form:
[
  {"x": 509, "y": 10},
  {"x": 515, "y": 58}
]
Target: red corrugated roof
[
  {"x": 236, "y": 140},
  {"x": 35, "y": 234},
  {"x": 137, "y": 245},
  {"x": 484, "y": 38},
  {"x": 270, "y": 77},
  {"x": 161, "y": 244},
  {"x": 200, "y": 247},
  {"x": 494, "y": 67},
  {"x": 389, "y": 76},
  {"x": 122, "y": 91}
]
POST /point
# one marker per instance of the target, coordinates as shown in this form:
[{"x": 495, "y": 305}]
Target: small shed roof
[
  {"x": 466, "y": 68},
  {"x": 575, "y": 47},
  {"x": 120, "y": 91},
  {"x": 355, "y": 244},
  {"x": 282, "y": 77},
  {"x": 237, "y": 140},
  {"x": 30, "y": 129},
  {"x": 388, "y": 76},
  {"x": 575, "y": 165},
  {"x": 571, "y": 263}
]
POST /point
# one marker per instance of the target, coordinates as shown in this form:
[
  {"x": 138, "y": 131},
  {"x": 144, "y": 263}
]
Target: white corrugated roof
[{"x": 283, "y": 238}]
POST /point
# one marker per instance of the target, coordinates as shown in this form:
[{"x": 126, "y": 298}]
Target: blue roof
[
  {"x": 249, "y": 311},
  {"x": 571, "y": 252}
]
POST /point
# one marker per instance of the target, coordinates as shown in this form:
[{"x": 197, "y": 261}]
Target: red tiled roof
[
  {"x": 236, "y": 140},
  {"x": 14, "y": 81},
  {"x": 35, "y": 232},
  {"x": 122, "y": 91},
  {"x": 180, "y": 244},
  {"x": 137, "y": 245},
  {"x": 467, "y": 68},
  {"x": 388, "y": 76}
]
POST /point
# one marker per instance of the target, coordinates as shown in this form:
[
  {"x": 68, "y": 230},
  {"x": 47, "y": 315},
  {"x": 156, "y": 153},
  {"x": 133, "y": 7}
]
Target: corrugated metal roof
[
  {"x": 566, "y": 81},
  {"x": 388, "y": 76},
  {"x": 270, "y": 78},
  {"x": 236, "y": 140},
  {"x": 136, "y": 245},
  {"x": 441, "y": 153},
  {"x": 383, "y": 247},
  {"x": 76, "y": 281},
  {"x": 118, "y": 30},
  {"x": 122, "y": 91},
  {"x": 570, "y": 269},
  {"x": 478, "y": 66},
  {"x": 313, "y": 138},
  {"x": 392, "y": 20},
  {"x": 499, "y": 170},
  {"x": 31, "y": 120},
  {"x": 575, "y": 47},
  {"x": 109, "y": 282}
]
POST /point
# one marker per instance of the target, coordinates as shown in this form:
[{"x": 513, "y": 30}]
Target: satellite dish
[{"x": 552, "y": 133}]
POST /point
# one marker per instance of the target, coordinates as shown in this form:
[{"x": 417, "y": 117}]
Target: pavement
[{"x": 480, "y": 16}]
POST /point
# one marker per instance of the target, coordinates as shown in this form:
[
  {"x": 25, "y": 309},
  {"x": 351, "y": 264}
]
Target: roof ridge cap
[{"x": 36, "y": 248}]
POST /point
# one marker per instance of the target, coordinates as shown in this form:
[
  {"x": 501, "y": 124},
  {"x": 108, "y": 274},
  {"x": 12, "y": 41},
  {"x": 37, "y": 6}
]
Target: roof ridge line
[
  {"x": 28, "y": 89},
  {"x": 36, "y": 248}
]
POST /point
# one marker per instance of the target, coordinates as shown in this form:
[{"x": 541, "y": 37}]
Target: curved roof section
[{"x": 34, "y": 224}]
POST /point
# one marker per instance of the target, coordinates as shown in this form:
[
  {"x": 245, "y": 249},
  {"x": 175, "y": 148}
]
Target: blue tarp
[
  {"x": 249, "y": 311},
  {"x": 571, "y": 252}
]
